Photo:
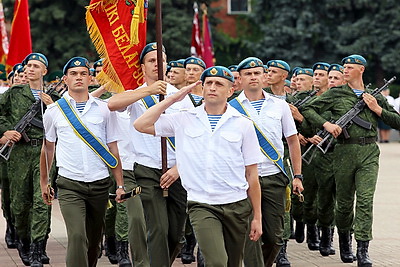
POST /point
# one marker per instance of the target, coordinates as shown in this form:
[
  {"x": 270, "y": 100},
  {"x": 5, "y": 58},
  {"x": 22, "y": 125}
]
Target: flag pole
[{"x": 161, "y": 77}]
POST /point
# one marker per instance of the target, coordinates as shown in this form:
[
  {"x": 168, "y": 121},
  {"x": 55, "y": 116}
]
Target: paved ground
[{"x": 383, "y": 249}]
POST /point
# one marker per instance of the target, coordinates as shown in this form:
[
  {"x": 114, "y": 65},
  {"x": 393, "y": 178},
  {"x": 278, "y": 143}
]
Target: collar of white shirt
[{"x": 91, "y": 101}]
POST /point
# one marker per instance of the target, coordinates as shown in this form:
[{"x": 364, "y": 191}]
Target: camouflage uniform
[
  {"x": 32, "y": 216},
  {"x": 356, "y": 159}
]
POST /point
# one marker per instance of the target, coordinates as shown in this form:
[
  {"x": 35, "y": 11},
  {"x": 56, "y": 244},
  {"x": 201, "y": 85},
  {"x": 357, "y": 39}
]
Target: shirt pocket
[
  {"x": 193, "y": 139},
  {"x": 96, "y": 125}
]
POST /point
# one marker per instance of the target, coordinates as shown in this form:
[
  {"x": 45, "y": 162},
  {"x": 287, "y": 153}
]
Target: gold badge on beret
[
  {"x": 213, "y": 71},
  {"x": 252, "y": 64},
  {"x": 154, "y": 46},
  {"x": 192, "y": 60},
  {"x": 77, "y": 63}
]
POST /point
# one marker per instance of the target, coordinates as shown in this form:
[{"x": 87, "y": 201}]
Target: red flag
[
  {"x": 118, "y": 31},
  {"x": 3, "y": 36},
  {"x": 208, "y": 53},
  {"x": 196, "y": 48},
  {"x": 20, "y": 36}
]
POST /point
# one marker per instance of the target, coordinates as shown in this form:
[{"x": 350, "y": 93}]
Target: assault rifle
[
  {"x": 27, "y": 120},
  {"x": 344, "y": 122},
  {"x": 300, "y": 102}
]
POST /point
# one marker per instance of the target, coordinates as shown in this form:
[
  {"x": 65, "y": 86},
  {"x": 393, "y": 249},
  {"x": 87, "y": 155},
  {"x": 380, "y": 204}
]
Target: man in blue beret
[
  {"x": 273, "y": 118},
  {"x": 165, "y": 217},
  {"x": 31, "y": 215},
  {"x": 83, "y": 179},
  {"x": 335, "y": 76},
  {"x": 194, "y": 67},
  {"x": 177, "y": 76},
  {"x": 218, "y": 209},
  {"x": 356, "y": 159},
  {"x": 236, "y": 84}
]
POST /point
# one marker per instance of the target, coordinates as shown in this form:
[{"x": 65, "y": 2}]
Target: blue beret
[
  {"x": 279, "y": 64},
  {"x": 336, "y": 67},
  {"x": 295, "y": 70},
  {"x": 232, "y": 67},
  {"x": 76, "y": 62},
  {"x": 18, "y": 68},
  {"x": 196, "y": 61},
  {"x": 36, "y": 56},
  {"x": 250, "y": 62},
  {"x": 180, "y": 63},
  {"x": 308, "y": 72},
  {"x": 321, "y": 66},
  {"x": 217, "y": 71},
  {"x": 288, "y": 83},
  {"x": 354, "y": 59},
  {"x": 98, "y": 63},
  {"x": 148, "y": 48},
  {"x": 10, "y": 75},
  {"x": 265, "y": 68},
  {"x": 92, "y": 71}
]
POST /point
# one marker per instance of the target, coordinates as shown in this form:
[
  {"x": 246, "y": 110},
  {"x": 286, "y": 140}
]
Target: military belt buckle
[
  {"x": 362, "y": 141},
  {"x": 34, "y": 142}
]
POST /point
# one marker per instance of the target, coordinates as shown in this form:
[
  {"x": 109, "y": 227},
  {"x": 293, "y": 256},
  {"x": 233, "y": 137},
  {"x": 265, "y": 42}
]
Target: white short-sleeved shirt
[
  {"x": 274, "y": 119},
  {"x": 74, "y": 158},
  {"x": 125, "y": 145},
  {"x": 148, "y": 147},
  {"x": 212, "y": 164}
]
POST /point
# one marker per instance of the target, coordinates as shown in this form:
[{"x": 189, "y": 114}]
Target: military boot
[
  {"x": 325, "y": 245},
  {"x": 23, "y": 251},
  {"x": 332, "y": 251},
  {"x": 346, "y": 253},
  {"x": 312, "y": 237},
  {"x": 35, "y": 258},
  {"x": 123, "y": 254},
  {"x": 187, "y": 252},
  {"x": 281, "y": 258},
  {"x": 362, "y": 254},
  {"x": 200, "y": 258},
  {"x": 110, "y": 248},
  {"x": 45, "y": 258},
  {"x": 299, "y": 232},
  {"x": 10, "y": 236}
]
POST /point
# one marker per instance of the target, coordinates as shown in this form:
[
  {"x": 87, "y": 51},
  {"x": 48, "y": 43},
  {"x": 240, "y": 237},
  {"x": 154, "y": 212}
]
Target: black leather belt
[{"x": 358, "y": 141}]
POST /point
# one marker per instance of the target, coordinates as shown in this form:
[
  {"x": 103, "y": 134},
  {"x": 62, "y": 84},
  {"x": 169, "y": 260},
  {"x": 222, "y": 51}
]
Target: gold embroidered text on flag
[{"x": 118, "y": 31}]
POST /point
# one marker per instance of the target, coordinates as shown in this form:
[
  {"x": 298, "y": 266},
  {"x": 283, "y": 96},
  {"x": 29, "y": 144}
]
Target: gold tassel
[
  {"x": 109, "y": 204},
  {"x": 138, "y": 17}
]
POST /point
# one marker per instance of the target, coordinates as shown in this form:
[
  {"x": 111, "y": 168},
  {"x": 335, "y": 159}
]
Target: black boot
[
  {"x": 36, "y": 254},
  {"x": 312, "y": 237},
  {"x": 10, "y": 236},
  {"x": 123, "y": 254},
  {"x": 45, "y": 258},
  {"x": 346, "y": 253},
  {"x": 325, "y": 245},
  {"x": 187, "y": 252},
  {"x": 332, "y": 251},
  {"x": 281, "y": 258},
  {"x": 110, "y": 248},
  {"x": 23, "y": 251},
  {"x": 362, "y": 254},
  {"x": 299, "y": 232},
  {"x": 292, "y": 234},
  {"x": 200, "y": 258}
]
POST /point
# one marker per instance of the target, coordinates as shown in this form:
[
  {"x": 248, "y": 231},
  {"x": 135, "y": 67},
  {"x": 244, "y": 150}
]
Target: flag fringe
[
  {"x": 109, "y": 80},
  {"x": 138, "y": 17}
]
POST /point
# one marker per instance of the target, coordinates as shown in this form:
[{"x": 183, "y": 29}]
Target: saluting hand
[
  {"x": 46, "y": 99},
  {"x": 334, "y": 129},
  {"x": 184, "y": 91},
  {"x": 372, "y": 103}
]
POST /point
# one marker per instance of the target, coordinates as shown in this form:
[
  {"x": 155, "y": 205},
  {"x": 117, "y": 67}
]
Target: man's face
[
  {"x": 252, "y": 79},
  {"x": 320, "y": 79},
  {"x": 177, "y": 76},
  {"x": 304, "y": 82},
  {"x": 293, "y": 81},
  {"x": 352, "y": 72},
  {"x": 236, "y": 84},
  {"x": 98, "y": 70},
  {"x": 149, "y": 65},
  {"x": 193, "y": 73},
  {"x": 335, "y": 78},
  {"x": 276, "y": 75},
  {"x": 77, "y": 79},
  {"x": 35, "y": 70},
  {"x": 217, "y": 89}
]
